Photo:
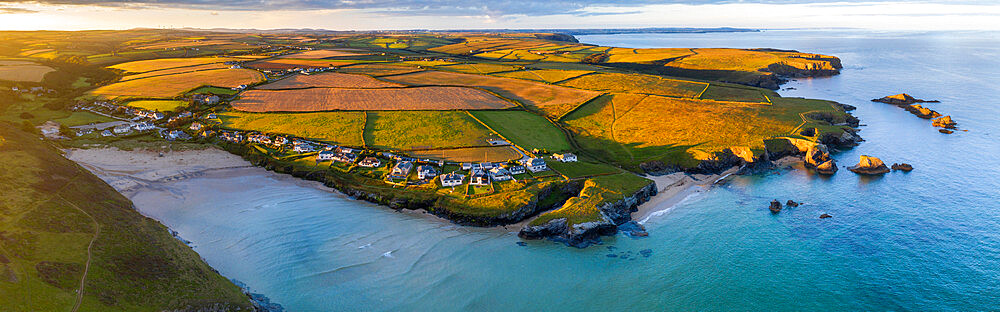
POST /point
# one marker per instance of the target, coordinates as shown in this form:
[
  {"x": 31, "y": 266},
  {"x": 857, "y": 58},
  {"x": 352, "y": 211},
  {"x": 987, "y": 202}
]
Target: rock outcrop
[
  {"x": 828, "y": 168},
  {"x": 869, "y": 165},
  {"x": 615, "y": 215},
  {"x": 824, "y": 216},
  {"x": 775, "y": 206},
  {"x": 901, "y": 99},
  {"x": 944, "y": 122},
  {"x": 946, "y": 131},
  {"x": 902, "y": 166},
  {"x": 818, "y": 158},
  {"x": 791, "y": 203},
  {"x": 922, "y": 112}
]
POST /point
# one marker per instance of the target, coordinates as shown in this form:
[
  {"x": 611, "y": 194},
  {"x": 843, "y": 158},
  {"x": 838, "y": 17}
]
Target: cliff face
[{"x": 614, "y": 214}]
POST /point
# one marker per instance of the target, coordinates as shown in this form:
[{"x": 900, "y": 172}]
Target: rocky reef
[
  {"x": 902, "y": 99},
  {"x": 944, "y": 122},
  {"x": 775, "y": 206},
  {"x": 869, "y": 165},
  {"x": 902, "y": 167},
  {"x": 615, "y": 215}
]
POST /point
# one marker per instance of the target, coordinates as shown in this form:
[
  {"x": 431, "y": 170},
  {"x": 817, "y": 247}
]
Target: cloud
[
  {"x": 488, "y": 8},
  {"x": 9, "y": 10}
]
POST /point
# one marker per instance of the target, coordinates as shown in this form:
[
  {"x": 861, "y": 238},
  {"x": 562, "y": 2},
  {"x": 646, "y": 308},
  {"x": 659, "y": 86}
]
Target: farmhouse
[
  {"x": 303, "y": 148},
  {"x": 143, "y": 126},
  {"x": 401, "y": 170},
  {"x": 124, "y": 128},
  {"x": 536, "y": 164},
  {"x": 325, "y": 155},
  {"x": 370, "y": 162},
  {"x": 500, "y": 174},
  {"x": 345, "y": 158},
  {"x": 425, "y": 171},
  {"x": 479, "y": 177},
  {"x": 452, "y": 179},
  {"x": 567, "y": 157}
]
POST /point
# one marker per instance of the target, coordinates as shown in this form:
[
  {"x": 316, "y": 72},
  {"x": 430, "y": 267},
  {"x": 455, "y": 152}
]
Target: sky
[{"x": 495, "y": 14}]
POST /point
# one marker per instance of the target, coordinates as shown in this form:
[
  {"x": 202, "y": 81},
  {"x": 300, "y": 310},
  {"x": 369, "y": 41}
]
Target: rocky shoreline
[{"x": 616, "y": 216}]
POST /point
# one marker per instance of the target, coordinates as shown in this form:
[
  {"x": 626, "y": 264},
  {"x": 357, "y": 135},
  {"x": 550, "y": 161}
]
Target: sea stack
[
  {"x": 775, "y": 206},
  {"x": 819, "y": 159},
  {"x": 902, "y": 166},
  {"x": 870, "y": 165},
  {"x": 944, "y": 122}
]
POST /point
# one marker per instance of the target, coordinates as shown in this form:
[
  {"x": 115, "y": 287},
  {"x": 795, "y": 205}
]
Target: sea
[{"x": 924, "y": 240}]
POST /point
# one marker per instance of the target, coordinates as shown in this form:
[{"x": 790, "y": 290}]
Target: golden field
[
  {"x": 170, "y": 86},
  {"x": 328, "y": 80},
  {"x": 553, "y": 100},
  {"x": 325, "y": 99}
]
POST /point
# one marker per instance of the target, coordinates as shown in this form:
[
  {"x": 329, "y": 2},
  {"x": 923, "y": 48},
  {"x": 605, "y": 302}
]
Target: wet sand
[{"x": 127, "y": 171}]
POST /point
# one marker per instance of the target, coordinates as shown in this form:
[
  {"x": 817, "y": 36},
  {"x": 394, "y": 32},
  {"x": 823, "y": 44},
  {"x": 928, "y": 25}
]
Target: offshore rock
[
  {"x": 828, "y": 168},
  {"x": 946, "y": 131},
  {"x": 633, "y": 229},
  {"x": 922, "y": 112},
  {"x": 816, "y": 155},
  {"x": 775, "y": 206},
  {"x": 869, "y": 165},
  {"x": 902, "y": 166},
  {"x": 944, "y": 122},
  {"x": 791, "y": 203},
  {"x": 824, "y": 216},
  {"x": 901, "y": 99}
]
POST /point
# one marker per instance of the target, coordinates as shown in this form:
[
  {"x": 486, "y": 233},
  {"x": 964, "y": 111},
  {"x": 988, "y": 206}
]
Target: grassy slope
[
  {"x": 335, "y": 127},
  {"x": 46, "y": 205},
  {"x": 527, "y": 130},
  {"x": 596, "y": 191}
]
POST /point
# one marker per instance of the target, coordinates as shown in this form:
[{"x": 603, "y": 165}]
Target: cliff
[{"x": 613, "y": 215}]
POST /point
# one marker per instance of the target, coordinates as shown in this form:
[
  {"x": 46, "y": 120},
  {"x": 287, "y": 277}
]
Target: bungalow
[
  {"x": 516, "y": 169},
  {"x": 466, "y": 166},
  {"x": 106, "y": 133},
  {"x": 451, "y": 179},
  {"x": 143, "y": 126},
  {"x": 479, "y": 177},
  {"x": 567, "y": 157},
  {"x": 370, "y": 162},
  {"x": 536, "y": 165},
  {"x": 500, "y": 174},
  {"x": 345, "y": 150},
  {"x": 303, "y": 148},
  {"x": 195, "y": 126},
  {"x": 123, "y": 128},
  {"x": 325, "y": 155},
  {"x": 425, "y": 171},
  {"x": 345, "y": 158},
  {"x": 401, "y": 170}
]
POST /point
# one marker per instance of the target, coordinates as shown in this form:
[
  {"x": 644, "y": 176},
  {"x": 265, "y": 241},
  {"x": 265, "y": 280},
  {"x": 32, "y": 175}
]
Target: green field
[
  {"x": 406, "y": 130},
  {"x": 335, "y": 127},
  {"x": 213, "y": 90},
  {"x": 51, "y": 209},
  {"x": 159, "y": 105},
  {"x": 634, "y": 83},
  {"x": 83, "y": 118},
  {"x": 525, "y": 129},
  {"x": 583, "y": 168},
  {"x": 736, "y": 94}
]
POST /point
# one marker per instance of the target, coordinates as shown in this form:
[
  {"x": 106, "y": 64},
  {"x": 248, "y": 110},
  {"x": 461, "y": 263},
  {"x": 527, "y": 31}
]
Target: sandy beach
[
  {"x": 127, "y": 171},
  {"x": 674, "y": 188}
]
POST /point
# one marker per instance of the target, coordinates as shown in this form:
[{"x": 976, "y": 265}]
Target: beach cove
[{"x": 310, "y": 248}]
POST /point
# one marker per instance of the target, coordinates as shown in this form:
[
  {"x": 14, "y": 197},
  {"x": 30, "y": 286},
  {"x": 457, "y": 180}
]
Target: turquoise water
[{"x": 924, "y": 240}]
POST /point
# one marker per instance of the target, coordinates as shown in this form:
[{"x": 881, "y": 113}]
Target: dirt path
[{"x": 86, "y": 268}]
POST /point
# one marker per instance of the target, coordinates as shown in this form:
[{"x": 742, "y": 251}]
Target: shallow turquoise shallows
[{"x": 924, "y": 240}]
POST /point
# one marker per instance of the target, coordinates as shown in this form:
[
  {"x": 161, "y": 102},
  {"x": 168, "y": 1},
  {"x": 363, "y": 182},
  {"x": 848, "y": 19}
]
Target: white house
[
  {"x": 370, "y": 162},
  {"x": 143, "y": 126},
  {"x": 567, "y": 157},
  {"x": 500, "y": 174},
  {"x": 479, "y": 177},
  {"x": 451, "y": 179},
  {"x": 466, "y": 166},
  {"x": 536, "y": 165},
  {"x": 401, "y": 170},
  {"x": 106, "y": 133},
  {"x": 345, "y": 158},
  {"x": 124, "y": 128},
  {"x": 303, "y": 148},
  {"x": 486, "y": 165},
  {"x": 516, "y": 169},
  {"x": 325, "y": 155},
  {"x": 425, "y": 172}
]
